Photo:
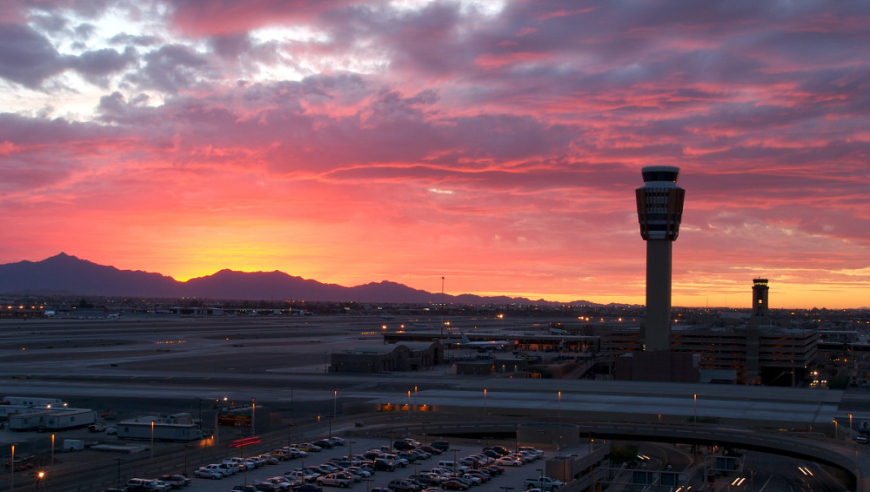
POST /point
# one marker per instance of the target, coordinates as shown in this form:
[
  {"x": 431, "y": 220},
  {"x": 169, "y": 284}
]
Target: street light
[
  {"x": 39, "y": 477},
  {"x": 186, "y": 446},
  {"x": 119, "y": 460},
  {"x": 350, "y": 451},
  {"x": 560, "y": 421}
]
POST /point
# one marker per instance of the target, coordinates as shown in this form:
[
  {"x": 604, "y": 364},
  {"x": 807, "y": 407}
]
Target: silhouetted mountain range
[{"x": 67, "y": 275}]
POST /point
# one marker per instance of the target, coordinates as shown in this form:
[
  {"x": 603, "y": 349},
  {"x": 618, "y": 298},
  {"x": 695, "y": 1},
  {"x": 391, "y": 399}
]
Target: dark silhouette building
[{"x": 759, "y": 297}]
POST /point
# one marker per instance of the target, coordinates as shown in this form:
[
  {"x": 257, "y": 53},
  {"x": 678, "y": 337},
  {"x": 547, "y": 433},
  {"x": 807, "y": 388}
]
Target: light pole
[
  {"x": 485, "y": 410},
  {"x": 560, "y": 421},
  {"x": 119, "y": 460},
  {"x": 695, "y": 406},
  {"x": 350, "y": 450},
  {"x": 152, "y": 439},
  {"x": 39, "y": 477},
  {"x": 52, "y": 450},
  {"x": 836, "y": 435},
  {"x": 185, "y": 458}
]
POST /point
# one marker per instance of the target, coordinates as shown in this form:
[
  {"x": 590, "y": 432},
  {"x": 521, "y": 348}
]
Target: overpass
[
  {"x": 798, "y": 423},
  {"x": 810, "y": 447}
]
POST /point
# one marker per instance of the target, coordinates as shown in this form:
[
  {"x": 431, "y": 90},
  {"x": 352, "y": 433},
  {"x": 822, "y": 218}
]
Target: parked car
[
  {"x": 175, "y": 481},
  {"x": 532, "y": 449},
  {"x": 442, "y": 445},
  {"x": 269, "y": 458},
  {"x": 509, "y": 461},
  {"x": 385, "y": 465},
  {"x": 335, "y": 480},
  {"x": 147, "y": 485},
  {"x": 421, "y": 453},
  {"x": 208, "y": 473},
  {"x": 267, "y": 487},
  {"x": 283, "y": 484},
  {"x": 336, "y": 441},
  {"x": 308, "y": 487},
  {"x": 324, "y": 443},
  {"x": 480, "y": 473},
  {"x": 403, "y": 486},
  {"x": 244, "y": 488},
  {"x": 431, "y": 449},
  {"x": 452, "y": 484},
  {"x": 402, "y": 462}
]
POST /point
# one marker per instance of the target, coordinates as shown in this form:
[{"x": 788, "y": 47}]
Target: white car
[
  {"x": 221, "y": 468},
  {"x": 335, "y": 480},
  {"x": 208, "y": 473},
  {"x": 257, "y": 461},
  {"x": 231, "y": 465},
  {"x": 509, "y": 461}
]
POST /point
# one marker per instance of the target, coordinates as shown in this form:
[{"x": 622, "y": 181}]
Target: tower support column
[{"x": 659, "y": 258}]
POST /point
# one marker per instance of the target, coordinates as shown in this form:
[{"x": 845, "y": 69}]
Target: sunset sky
[{"x": 494, "y": 143}]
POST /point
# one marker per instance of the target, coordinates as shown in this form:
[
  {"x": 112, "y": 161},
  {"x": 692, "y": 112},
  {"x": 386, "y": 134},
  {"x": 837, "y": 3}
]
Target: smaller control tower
[
  {"x": 759, "y": 297},
  {"x": 659, "y": 211}
]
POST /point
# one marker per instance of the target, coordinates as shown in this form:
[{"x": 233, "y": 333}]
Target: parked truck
[{"x": 543, "y": 483}]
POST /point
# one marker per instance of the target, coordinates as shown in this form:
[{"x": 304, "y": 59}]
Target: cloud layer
[{"x": 497, "y": 144}]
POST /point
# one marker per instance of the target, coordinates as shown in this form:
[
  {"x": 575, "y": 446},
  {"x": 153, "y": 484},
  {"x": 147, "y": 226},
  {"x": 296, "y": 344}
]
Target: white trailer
[
  {"x": 31, "y": 401},
  {"x": 7, "y": 410},
  {"x": 55, "y": 419},
  {"x": 70, "y": 418},
  {"x": 146, "y": 428}
]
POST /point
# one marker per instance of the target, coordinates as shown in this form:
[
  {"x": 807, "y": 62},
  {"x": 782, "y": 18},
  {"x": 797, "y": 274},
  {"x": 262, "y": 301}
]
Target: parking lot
[{"x": 512, "y": 479}]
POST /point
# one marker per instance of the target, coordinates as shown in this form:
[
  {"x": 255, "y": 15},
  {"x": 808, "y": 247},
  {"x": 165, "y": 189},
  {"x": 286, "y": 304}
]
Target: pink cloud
[{"x": 502, "y": 151}]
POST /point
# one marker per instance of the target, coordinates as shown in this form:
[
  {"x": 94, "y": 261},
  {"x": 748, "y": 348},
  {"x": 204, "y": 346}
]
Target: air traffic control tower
[{"x": 659, "y": 211}]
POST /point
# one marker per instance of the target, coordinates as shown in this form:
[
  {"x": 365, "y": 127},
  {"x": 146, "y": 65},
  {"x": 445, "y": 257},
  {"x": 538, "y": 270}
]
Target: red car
[{"x": 453, "y": 485}]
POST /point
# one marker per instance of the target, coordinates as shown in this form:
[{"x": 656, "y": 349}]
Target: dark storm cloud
[
  {"x": 96, "y": 65},
  {"x": 230, "y": 46},
  {"x": 27, "y": 57},
  {"x": 170, "y": 68}
]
